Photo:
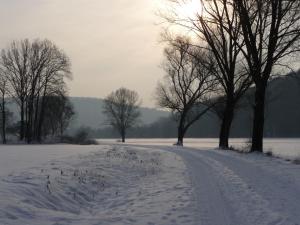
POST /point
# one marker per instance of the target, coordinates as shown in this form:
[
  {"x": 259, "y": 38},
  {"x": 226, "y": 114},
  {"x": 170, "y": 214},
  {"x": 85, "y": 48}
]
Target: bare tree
[
  {"x": 48, "y": 68},
  {"x": 271, "y": 33},
  {"x": 15, "y": 64},
  {"x": 121, "y": 108},
  {"x": 34, "y": 70},
  {"x": 187, "y": 85},
  {"x": 50, "y": 82},
  {"x": 217, "y": 27}
]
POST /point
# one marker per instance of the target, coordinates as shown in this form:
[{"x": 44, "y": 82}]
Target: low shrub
[
  {"x": 81, "y": 137},
  {"x": 268, "y": 153}
]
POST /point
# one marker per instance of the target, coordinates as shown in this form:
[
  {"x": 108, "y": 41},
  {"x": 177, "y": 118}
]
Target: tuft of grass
[
  {"x": 232, "y": 148},
  {"x": 81, "y": 137},
  {"x": 297, "y": 160},
  {"x": 242, "y": 150},
  {"x": 268, "y": 153}
]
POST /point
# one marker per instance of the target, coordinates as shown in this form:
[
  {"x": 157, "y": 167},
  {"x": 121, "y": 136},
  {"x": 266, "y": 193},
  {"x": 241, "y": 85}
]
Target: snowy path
[
  {"x": 231, "y": 188},
  {"x": 240, "y": 189},
  {"x": 118, "y": 184}
]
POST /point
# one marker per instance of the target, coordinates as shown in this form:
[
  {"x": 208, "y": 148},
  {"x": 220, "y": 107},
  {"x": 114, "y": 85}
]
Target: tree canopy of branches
[
  {"x": 188, "y": 83},
  {"x": 59, "y": 112},
  {"x": 271, "y": 33},
  {"x": 34, "y": 70},
  {"x": 249, "y": 39},
  {"x": 218, "y": 29},
  {"x": 121, "y": 108}
]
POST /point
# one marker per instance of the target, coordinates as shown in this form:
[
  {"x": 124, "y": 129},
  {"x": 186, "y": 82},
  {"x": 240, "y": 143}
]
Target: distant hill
[
  {"x": 89, "y": 113},
  {"x": 282, "y": 117},
  {"x": 282, "y": 112}
]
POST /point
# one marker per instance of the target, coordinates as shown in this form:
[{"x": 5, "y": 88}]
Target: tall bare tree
[
  {"x": 217, "y": 28},
  {"x": 15, "y": 64},
  {"x": 188, "y": 83},
  {"x": 121, "y": 108},
  {"x": 271, "y": 33},
  {"x": 35, "y": 70},
  {"x": 48, "y": 68}
]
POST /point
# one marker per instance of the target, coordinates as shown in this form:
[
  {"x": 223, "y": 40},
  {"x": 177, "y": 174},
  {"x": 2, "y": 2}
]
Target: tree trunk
[
  {"x": 36, "y": 119},
  {"x": 22, "y": 124},
  {"x": 29, "y": 122},
  {"x": 42, "y": 115},
  {"x": 61, "y": 128},
  {"x": 181, "y": 132},
  {"x": 123, "y": 136},
  {"x": 3, "y": 121},
  {"x": 259, "y": 117},
  {"x": 180, "y": 138},
  {"x": 41, "y": 120},
  {"x": 226, "y": 125}
]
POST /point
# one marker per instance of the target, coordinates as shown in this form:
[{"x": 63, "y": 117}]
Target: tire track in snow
[
  {"x": 271, "y": 181},
  {"x": 224, "y": 197},
  {"x": 213, "y": 208}
]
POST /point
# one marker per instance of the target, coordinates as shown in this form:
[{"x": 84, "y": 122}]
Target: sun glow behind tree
[
  {"x": 184, "y": 11},
  {"x": 189, "y": 8}
]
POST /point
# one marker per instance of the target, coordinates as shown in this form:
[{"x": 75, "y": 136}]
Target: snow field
[
  {"x": 15, "y": 158},
  {"x": 286, "y": 148},
  {"x": 140, "y": 183},
  {"x": 110, "y": 185}
]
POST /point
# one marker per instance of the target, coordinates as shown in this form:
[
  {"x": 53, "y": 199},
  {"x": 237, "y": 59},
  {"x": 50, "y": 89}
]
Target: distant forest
[
  {"x": 282, "y": 107},
  {"x": 283, "y": 116}
]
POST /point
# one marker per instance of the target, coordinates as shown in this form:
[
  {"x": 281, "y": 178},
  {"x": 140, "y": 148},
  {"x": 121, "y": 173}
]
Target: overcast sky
[{"x": 111, "y": 43}]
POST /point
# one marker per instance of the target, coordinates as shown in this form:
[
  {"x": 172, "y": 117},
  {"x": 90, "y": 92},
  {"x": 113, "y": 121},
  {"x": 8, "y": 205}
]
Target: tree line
[
  {"x": 236, "y": 44},
  {"x": 239, "y": 44},
  {"x": 33, "y": 77}
]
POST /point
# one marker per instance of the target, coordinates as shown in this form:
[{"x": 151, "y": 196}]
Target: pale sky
[{"x": 111, "y": 43}]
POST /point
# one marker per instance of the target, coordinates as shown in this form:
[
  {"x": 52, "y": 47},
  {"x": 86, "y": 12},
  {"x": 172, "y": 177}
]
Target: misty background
[
  {"x": 98, "y": 36},
  {"x": 281, "y": 121},
  {"x": 116, "y": 43},
  {"x": 154, "y": 123}
]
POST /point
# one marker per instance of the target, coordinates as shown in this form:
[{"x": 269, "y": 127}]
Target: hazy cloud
[{"x": 111, "y": 43}]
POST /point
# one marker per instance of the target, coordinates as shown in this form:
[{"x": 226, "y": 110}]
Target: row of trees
[
  {"x": 244, "y": 43},
  {"x": 33, "y": 77}
]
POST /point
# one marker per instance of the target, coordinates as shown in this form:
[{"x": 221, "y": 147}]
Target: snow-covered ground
[
  {"x": 288, "y": 148},
  {"x": 146, "y": 183},
  {"x": 101, "y": 185},
  {"x": 245, "y": 189},
  {"x": 18, "y": 157}
]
